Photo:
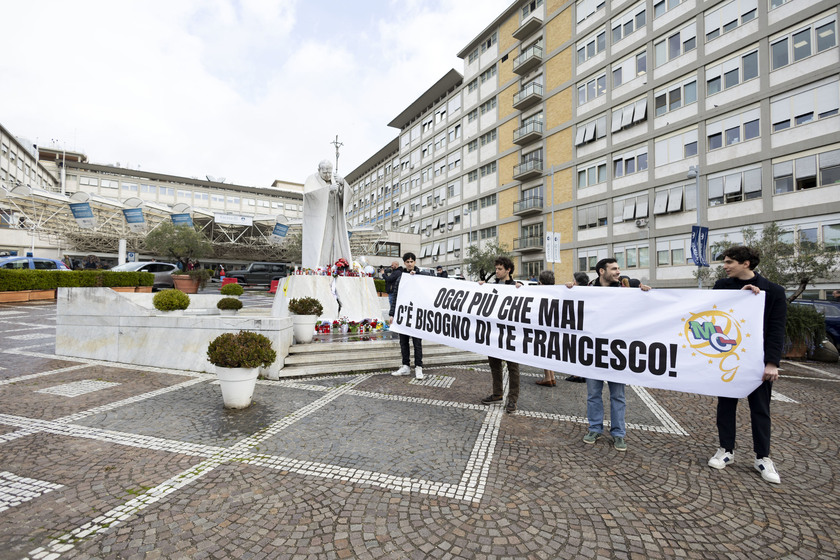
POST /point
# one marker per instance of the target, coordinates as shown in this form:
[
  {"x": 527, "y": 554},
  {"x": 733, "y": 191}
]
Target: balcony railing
[
  {"x": 528, "y": 133},
  {"x": 528, "y": 60},
  {"x": 528, "y": 205},
  {"x": 532, "y": 243},
  {"x": 528, "y": 169},
  {"x": 528, "y": 96}
]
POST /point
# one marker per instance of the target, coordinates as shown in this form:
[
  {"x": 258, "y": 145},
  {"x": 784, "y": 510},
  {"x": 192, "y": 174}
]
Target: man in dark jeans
[
  {"x": 409, "y": 260},
  {"x": 391, "y": 275},
  {"x": 504, "y": 273},
  {"x": 739, "y": 264}
]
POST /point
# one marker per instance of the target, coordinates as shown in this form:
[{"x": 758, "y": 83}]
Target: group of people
[{"x": 739, "y": 264}]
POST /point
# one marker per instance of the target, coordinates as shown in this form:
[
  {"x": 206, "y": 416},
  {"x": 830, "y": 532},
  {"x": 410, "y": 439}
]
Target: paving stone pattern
[{"x": 146, "y": 463}]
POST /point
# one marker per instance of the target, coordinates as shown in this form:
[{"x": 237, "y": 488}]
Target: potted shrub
[
  {"x": 171, "y": 301},
  {"x": 229, "y": 305},
  {"x": 305, "y": 312},
  {"x": 190, "y": 281},
  {"x": 232, "y": 289},
  {"x": 238, "y": 358},
  {"x": 804, "y": 330}
]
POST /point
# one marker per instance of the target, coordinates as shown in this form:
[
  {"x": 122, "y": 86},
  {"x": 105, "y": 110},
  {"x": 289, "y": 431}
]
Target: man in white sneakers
[
  {"x": 410, "y": 261},
  {"x": 739, "y": 264}
]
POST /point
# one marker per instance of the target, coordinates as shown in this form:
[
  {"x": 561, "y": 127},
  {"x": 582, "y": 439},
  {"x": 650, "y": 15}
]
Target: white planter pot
[
  {"x": 303, "y": 327},
  {"x": 237, "y": 385},
  {"x": 227, "y": 312}
]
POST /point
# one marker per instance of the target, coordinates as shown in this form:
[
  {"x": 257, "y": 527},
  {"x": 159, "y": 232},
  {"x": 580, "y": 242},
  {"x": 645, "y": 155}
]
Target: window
[
  {"x": 472, "y": 146},
  {"x": 488, "y": 105},
  {"x": 488, "y": 43},
  {"x": 831, "y": 237},
  {"x": 110, "y": 184},
  {"x": 670, "y": 200},
  {"x": 675, "y": 45},
  {"x": 589, "y": 90},
  {"x": 453, "y": 160},
  {"x": 587, "y": 8},
  {"x": 472, "y": 115},
  {"x": 734, "y": 186},
  {"x": 529, "y": 8},
  {"x": 453, "y": 189},
  {"x": 440, "y": 167},
  {"x": 675, "y": 147},
  {"x": 629, "y": 68},
  {"x": 533, "y": 231},
  {"x": 473, "y": 56},
  {"x": 591, "y": 46},
  {"x": 488, "y": 233},
  {"x": 488, "y": 169},
  {"x": 630, "y": 162},
  {"x": 472, "y": 176},
  {"x": 729, "y": 17},
  {"x": 88, "y": 181},
  {"x": 487, "y": 137},
  {"x": 733, "y": 129},
  {"x": 632, "y": 256},
  {"x": 592, "y": 174},
  {"x": 487, "y": 74},
  {"x": 488, "y": 200},
  {"x": 629, "y": 115},
  {"x": 802, "y": 43},
  {"x": 629, "y": 209},
  {"x": 732, "y": 72},
  {"x": 592, "y": 216},
  {"x": 776, "y": 3},
  {"x": 454, "y": 133},
  {"x": 673, "y": 252},
  {"x": 591, "y": 131},
  {"x": 440, "y": 142},
  {"x": 676, "y": 95},
  {"x": 628, "y": 22},
  {"x": 662, "y": 6},
  {"x": 807, "y": 171},
  {"x": 427, "y": 124},
  {"x": 588, "y": 258},
  {"x": 805, "y": 105}
]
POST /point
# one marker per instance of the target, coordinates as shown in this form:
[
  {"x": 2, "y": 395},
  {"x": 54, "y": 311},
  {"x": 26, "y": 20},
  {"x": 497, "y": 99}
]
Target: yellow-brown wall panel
[
  {"x": 558, "y": 109},
  {"x": 558, "y": 69},
  {"x": 504, "y": 137},
  {"x": 505, "y": 167},
  {"x": 507, "y": 233},
  {"x": 505, "y": 200},
  {"x": 504, "y": 101},
  {"x": 506, "y": 29},
  {"x": 559, "y": 148},
  {"x": 563, "y": 183},
  {"x": 559, "y": 29}
]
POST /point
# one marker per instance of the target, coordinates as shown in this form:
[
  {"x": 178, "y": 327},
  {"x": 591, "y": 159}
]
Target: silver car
[{"x": 162, "y": 271}]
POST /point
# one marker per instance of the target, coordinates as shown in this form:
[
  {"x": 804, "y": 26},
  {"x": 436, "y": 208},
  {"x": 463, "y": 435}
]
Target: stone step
[
  {"x": 373, "y": 352},
  {"x": 351, "y": 365}
]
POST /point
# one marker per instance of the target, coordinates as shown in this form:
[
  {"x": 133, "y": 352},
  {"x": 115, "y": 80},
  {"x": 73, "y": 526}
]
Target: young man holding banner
[
  {"x": 608, "y": 277},
  {"x": 739, "y": 264},
  {"x": 410, "y": 260},
  {"x": 504, "y": 273}
]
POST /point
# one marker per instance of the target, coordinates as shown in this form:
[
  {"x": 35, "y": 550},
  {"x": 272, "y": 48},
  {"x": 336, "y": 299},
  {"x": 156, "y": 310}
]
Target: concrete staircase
[{"x": 322, "y": 357}]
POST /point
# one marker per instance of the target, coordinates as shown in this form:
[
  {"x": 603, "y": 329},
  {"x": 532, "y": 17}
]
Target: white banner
[{"x": 698, "y": 341}]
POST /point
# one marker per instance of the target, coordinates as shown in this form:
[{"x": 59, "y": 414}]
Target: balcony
[
  {"x": 528, "y": 96},
  {"x": 528, "y": 133},
  {"x": 527, "y": 28},
  {"x": 528, "y": 169},
  {"x": 528, "y": 244},
  {"x": 530, "y": 205},
  {"x": 528, "y": 60}
]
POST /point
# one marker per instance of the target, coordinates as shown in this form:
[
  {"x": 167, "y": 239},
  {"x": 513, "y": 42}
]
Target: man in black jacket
[
  {"x": 504, "y": 275},
  {"x": 391, "y": 275},
  {"x": 739, "y": 263},
  {"x": 410, "y": 260}
]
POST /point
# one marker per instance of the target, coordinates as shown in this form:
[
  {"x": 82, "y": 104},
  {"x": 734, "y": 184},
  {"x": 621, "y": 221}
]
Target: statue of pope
[{"x": 324, "y": 227}]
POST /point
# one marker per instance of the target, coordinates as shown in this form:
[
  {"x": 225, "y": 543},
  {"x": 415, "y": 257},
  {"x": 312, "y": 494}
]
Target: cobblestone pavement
[{"x": 103, "y": 460}]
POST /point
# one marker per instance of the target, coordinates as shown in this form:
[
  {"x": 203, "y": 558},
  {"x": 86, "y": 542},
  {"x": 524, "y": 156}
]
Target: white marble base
[
  {"x": 101, "y": 324},
  {"x": 357, "y": 296}
]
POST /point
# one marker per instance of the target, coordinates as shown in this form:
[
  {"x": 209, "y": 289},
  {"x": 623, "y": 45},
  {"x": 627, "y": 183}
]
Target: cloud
[{"x": 250, "y": 90}]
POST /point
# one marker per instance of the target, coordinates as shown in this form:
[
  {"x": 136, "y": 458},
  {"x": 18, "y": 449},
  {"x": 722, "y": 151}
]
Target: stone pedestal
[{"x": 357, "y": 296}]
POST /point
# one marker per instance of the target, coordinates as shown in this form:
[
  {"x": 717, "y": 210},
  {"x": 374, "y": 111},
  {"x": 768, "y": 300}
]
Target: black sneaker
[
  {"x": 492, "y": 399},
  {"x": 576, "y": 379},
  {"x": 510, "y": 407}
]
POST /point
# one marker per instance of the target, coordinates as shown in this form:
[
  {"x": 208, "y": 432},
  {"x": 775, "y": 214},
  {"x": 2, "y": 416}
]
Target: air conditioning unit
[
  {"x": 457, "y": 254},
  {"x": 449, "y": 227},
  {"x": 641, "y": 222},
  {"x": 435, "y": 258}
]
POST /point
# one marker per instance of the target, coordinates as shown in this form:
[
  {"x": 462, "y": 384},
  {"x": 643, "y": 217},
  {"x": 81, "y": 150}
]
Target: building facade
[{"x": 571, "y": 134}]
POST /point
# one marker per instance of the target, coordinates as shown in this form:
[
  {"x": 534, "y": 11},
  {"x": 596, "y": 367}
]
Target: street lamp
[{"x": 467, "y": 213}]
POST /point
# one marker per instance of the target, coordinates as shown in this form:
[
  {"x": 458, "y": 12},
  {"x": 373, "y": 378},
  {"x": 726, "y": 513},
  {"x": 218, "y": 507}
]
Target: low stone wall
[{"x": 101, "y": 324}]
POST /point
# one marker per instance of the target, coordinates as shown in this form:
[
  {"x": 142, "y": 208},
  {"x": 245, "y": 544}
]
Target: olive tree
[
  {"x": 178, "y": 242},
  {"x": 481, "y": 262}
]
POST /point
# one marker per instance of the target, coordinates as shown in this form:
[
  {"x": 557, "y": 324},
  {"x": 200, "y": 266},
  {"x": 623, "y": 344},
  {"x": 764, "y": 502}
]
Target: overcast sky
[{"x": 249, "y": 90}]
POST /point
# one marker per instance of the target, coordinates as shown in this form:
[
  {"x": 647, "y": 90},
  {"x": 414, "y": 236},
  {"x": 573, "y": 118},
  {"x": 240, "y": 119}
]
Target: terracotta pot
[
  {"x": 124, "y": 289},
  {"x": 185, "y": 283},
  {"x": 143, "y": 289},
  {"x": 41, "y": 294},
  {"x": 14, "y": 297}
]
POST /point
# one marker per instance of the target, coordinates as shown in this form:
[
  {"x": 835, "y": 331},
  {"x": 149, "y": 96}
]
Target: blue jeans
[{"x": 595, "y": 407}]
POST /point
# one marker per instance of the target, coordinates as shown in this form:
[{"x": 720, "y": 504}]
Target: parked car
[
  {"x": 162, "y": 271},
  {"x": 831, "y": 310},
  {"x": 32, "y": 263},
  {"x": 258, "y": 273}
]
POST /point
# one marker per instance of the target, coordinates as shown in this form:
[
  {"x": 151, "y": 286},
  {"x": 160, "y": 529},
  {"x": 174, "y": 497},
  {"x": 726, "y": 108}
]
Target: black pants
[
  {"x": 759, "y": 401},
  {"x": 418, "y": 350},
  {"x": 513, "y": 378}
]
